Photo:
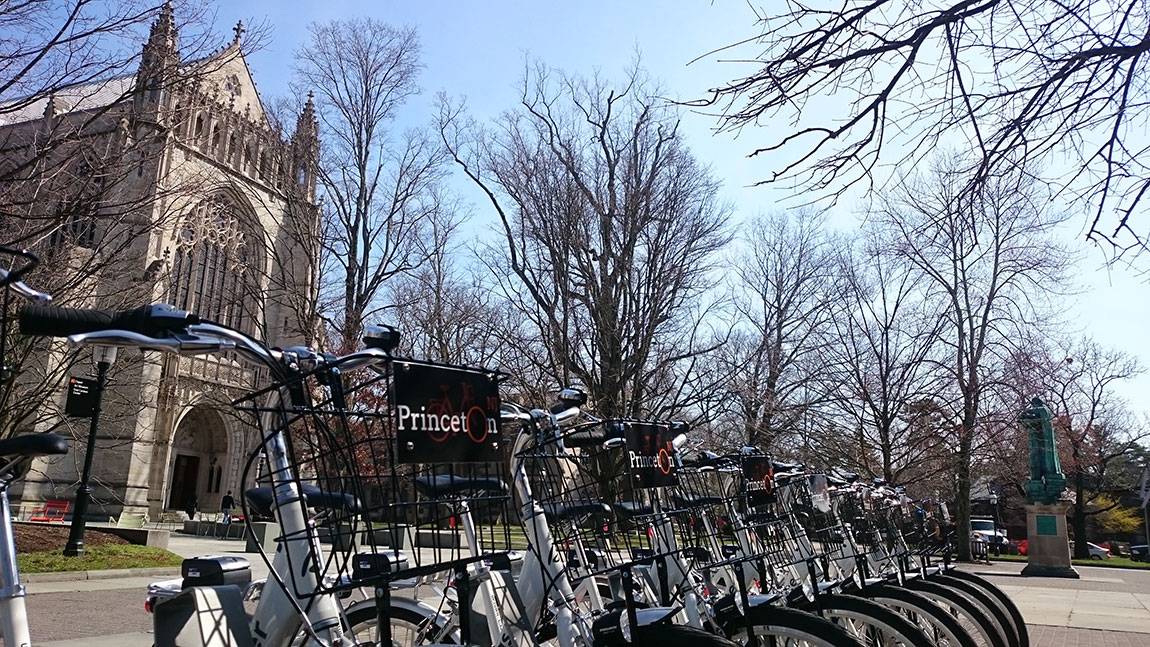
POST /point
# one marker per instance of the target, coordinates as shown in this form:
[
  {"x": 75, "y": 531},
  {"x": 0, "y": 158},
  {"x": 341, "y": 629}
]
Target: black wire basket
[
  {"x": 601, "y": 499},
  {"x": 403, "y": 463},
  {"x": 703, "y": 503},
  {"x": 799, "y": 536}
]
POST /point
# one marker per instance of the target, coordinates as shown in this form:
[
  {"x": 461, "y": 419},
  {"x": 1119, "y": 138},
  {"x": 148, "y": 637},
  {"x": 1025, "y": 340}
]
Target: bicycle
[
  {"x": 209, "y": 605},
  {"x": 16, "y": 454}
]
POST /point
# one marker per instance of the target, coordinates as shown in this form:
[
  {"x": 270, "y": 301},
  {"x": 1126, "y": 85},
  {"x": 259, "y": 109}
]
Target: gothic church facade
[{"x": 228, "y": 203}]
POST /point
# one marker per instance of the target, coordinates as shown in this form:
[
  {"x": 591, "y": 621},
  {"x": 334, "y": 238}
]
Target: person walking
[{"x": 226, "y": 505}]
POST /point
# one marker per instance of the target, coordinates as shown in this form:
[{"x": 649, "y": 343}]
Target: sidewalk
[
  {"x": 1103, "y": 599},
  {"x": 1044, "y": 636}
]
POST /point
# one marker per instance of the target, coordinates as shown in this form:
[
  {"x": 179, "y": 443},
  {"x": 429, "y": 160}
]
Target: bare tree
[
  {"x": 379, "y": 192},
  {"x": 610, "y": 228},
  {"x": 784, "y": 304},
  {"x": 1024, "y": 82},
  {"x": 988, "y": 264},
  {"x": 880, "y": 370}
]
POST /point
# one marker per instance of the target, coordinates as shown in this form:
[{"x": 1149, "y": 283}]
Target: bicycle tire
[
  {"x": 667, "y": 635},
  {"x": 788, "y": 624},
  {"x": 955, "y": 602},
  {"x": 903, "y": 599},
  {"x": 365, "y": 617},
  {"x": 1002, "y": 597},
  {"x": 877, "y": 621},
  {"x": 1005, "y": 622}
]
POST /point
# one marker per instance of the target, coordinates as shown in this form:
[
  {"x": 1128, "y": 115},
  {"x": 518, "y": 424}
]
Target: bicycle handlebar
[
  {"x": 151, "y": 320},
  {"x": 13, "y": 278}
]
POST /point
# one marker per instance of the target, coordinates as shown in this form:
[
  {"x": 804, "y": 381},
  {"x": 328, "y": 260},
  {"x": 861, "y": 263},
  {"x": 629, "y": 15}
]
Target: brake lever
[
  {"x": 179, "y": 344},
  {"x": 28, "y": 292},
  {"x": 614, "y": 443}
]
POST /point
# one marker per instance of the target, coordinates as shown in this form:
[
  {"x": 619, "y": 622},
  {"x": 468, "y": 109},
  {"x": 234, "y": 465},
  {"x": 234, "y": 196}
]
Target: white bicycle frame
[
  {"x": 280, "y": 613},
  {"x": 530, "y": 583},
  {"x": 277, "y": 619},
  {"x": 13, "y": 613}
]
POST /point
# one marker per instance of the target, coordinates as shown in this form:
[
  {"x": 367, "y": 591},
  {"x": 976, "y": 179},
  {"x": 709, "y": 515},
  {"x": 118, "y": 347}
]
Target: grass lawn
[
  {"x": 1113, "y": 562},
  {"x": 95, "y": 558},
  {"x": 39, "y": 549}
]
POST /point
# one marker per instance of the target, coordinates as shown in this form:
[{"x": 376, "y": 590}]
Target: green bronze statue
[{"x": 1046, "y": 477}]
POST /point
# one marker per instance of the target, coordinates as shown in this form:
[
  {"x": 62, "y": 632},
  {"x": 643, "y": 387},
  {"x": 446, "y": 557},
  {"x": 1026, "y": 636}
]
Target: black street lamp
[
  {"x": 994, "y": 523},
  {"x": 104, "y": 356}
]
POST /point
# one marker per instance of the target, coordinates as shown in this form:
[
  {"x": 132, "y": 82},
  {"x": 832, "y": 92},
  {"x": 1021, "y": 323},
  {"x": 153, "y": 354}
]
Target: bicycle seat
[
  {"x": 836, "y": 482},
  {"x": 451, "y": 485},
  {"x": 261, "y": 498},
  {"x": 568, "y": 511},
  {"x": 633, "y": 508},
  {"x": 32, "y": 445}
]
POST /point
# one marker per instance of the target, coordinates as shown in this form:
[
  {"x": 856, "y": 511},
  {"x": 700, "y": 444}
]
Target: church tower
[
  {"x": 159, "y": 61},
  {"x": 305, "y": 150}
]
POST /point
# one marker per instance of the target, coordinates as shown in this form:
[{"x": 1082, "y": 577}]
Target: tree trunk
[
  {"x": 962, "y": 493},
  {"x": 1078, "y": 518}
]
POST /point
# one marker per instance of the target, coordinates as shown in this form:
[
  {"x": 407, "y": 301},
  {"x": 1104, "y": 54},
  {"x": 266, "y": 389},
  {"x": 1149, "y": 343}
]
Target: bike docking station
[{"x": 1048, "y": 550}]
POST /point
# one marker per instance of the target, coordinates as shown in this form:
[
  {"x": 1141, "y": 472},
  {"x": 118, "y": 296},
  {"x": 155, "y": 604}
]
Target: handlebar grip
[
  {"x": 52, "y": 321},
  {"x": 586, "y": 437}
]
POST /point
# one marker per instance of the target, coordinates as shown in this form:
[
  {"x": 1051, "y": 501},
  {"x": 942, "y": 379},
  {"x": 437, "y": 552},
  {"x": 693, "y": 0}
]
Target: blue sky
[{"x": 477, "y": 50}]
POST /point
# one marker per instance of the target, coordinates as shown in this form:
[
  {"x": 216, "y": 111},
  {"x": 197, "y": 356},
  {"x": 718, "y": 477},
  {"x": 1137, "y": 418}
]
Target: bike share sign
[
  {"x": 445, "y": 414},
  {"x": 759, "y": 474},
  {"x": 650, "y": 454}
]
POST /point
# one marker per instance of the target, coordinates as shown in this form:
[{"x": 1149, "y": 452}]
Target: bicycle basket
[
  {"x": 404, "y": 463},
  {"x": 602, "y": 501}
]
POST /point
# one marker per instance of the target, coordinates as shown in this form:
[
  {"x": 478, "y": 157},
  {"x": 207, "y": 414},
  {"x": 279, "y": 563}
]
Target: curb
[{"x": 78, "y": 576}]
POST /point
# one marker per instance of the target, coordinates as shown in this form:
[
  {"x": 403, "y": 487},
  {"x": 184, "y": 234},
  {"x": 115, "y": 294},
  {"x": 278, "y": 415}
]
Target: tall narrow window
[{"x": 212, "y": 271}]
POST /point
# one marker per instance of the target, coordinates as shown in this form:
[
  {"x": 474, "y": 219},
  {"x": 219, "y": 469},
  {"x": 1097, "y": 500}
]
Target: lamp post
[
  {"x": 994, "y": 523},
  {"x": 104, "y": 356}
]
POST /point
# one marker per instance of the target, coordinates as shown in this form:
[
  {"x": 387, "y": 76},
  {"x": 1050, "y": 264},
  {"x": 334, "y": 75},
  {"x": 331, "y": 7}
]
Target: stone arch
[{"x": 200, "y": 447}]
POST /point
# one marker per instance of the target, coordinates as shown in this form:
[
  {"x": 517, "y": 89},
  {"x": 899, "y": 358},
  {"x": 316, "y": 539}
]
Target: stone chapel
[{"x": 229, "y": 246}]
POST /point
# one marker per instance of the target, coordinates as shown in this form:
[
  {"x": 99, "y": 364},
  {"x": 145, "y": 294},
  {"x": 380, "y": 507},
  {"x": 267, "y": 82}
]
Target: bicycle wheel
[
  {"x": 939, "y": 626},
  {"x": 788, "y": 628},
  {"x": 678, "y": 636},
  {"x": 981, "y": 627},
  {"x": 407, "y": 627},
  {"x": 1004, "y": 599},
  {"x": 986, "y": 601},
  {"x": 869, "y": 622}
]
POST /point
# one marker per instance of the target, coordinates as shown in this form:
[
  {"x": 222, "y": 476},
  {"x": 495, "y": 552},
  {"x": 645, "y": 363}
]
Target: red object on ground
[
  {"x": 1022, "y": 546},
  {"x": 53, "y": 510}
]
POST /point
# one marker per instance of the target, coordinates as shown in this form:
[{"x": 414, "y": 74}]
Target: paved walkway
[
  {"x": 1044, "y": 636},
  {"x": 1103, "y": 599}
]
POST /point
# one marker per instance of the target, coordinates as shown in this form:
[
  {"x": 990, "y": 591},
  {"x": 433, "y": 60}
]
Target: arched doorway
[{"x": 198, "y": 460}]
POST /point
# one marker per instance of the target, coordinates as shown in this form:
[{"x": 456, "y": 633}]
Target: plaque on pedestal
[{"x": 1048, "y": 551}]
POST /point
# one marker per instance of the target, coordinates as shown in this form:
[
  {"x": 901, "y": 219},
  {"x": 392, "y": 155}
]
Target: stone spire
[
  {"x": 163, "y": 46},
  {"x": 307, "y": 126},
  {"x": 305, "y": 148},
  {"x": 159, "y": 61}
]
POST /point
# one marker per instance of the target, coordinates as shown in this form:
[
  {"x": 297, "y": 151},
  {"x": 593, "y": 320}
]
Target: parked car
[
  {"x": 1096, "y": 551},
  {"x": 1140, "y": 553},
  {"x": 985, "y": 528}
]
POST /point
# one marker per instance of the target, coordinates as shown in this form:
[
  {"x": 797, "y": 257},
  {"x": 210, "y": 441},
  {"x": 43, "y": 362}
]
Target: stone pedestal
[{"x": 1048, "y": 548}]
